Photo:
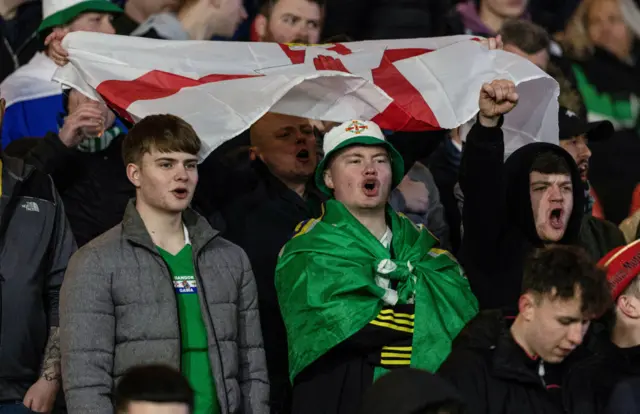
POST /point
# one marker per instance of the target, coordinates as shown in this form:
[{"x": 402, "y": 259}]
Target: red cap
[{"x": 622, "y": 265}]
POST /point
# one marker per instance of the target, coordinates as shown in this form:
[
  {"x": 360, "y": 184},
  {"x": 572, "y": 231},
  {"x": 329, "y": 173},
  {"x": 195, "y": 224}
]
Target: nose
[
  {"x": 555, "y": 193},
  {"x": 181, "y": 173},
  {"x": 584, "y": 151},
  {"x": 576, "y": 334}
]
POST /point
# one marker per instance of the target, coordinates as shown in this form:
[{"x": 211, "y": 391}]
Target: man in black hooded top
[{"x": 501, "y": 224}]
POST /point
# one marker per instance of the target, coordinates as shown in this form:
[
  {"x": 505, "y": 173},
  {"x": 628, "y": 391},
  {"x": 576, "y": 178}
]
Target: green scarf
[{"x": 325, "y": 279}]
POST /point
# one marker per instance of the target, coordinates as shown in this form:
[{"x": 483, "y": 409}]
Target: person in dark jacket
[
  {"x": 502, "y": 369},
  {"x": 616, "y": 360},
  {"x": 36, "y": 246},
  {"x": 273, "y": 192},
  {"x": 597, "y": 236},
  {"x": 533, "y": 199},
  {"x": 18, "y": 34},
  {"x": 89, "y": 173},
  {"x": 412, "y": 391}
]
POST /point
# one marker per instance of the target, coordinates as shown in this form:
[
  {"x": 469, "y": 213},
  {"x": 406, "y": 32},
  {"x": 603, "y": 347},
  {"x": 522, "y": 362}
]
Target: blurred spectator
[
  {"x": 591, "y": 383},
  {"x": 195, "y": 20},
  {"x": 418, "y": 198},
  {"x": 444, "y": 164},
  {"x": 533, "y": 43},
  {"x": 527, "y": 40},
  {"x": 385, "y": 19},
  {"x": 88, "y": 172},
  {"x": 138, "y": 11},
  {"x": 35, "y": 103},
  {"x": 147, "y": 389},
  {"x": 483, "y": 17},
  {"x": 533, "y": 199},
  {"x": 412, "y": 391},
  {"x": 263, "y": 218},
  {"x": 602, "y": 46},
  {"x": 163, "y": 287},
  {"x": 36, "y": 245},
  {"x": 507, "y": 366},
  {"x": 357, "y": 286},
  {"x": 602, "y": 49},
  {"x": 19, "y": 21},
  {"x": 597, "y": 236},
  {"x": 290, "y": 21}
]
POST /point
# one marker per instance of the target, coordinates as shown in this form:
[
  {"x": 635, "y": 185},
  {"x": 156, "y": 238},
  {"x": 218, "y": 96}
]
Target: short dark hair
[
  {"x": 527, "y": 36},
  {"x": 153, "y": 383},
  {"x": 267, "y": 6},
  {"x": 164, "y": 133},
  {"x": 550, "y": 162},
  {"x": 562, "y": 272}
]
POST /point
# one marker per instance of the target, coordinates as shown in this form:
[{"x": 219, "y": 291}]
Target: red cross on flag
[{"x": 221, "y": 88}]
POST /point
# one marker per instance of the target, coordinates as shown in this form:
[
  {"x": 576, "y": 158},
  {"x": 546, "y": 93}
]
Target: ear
[
  {"x": 260, "y": 23},
  {"x": 133, "y": 174},
  {"x": 629, "y": 306},
  {"x": 328, "y": 179},
  {"x": 253, "y": 153},
  {"x": 526, "y": 306}
]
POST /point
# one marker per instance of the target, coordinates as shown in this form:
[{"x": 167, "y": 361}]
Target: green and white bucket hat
[
  {"x": 60, "y": 12},
  {"x": 353, "y": 133}
]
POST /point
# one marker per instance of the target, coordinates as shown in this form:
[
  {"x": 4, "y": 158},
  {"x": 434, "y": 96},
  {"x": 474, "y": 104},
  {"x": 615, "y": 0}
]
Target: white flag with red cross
[{"x": 222, "y": 88}]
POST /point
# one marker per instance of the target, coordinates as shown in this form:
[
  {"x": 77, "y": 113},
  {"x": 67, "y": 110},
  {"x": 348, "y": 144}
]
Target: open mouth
[
  {"x": 556, "y": 218},
  {"x": 303, "y": 155},
  {"x": 371, "y": 187},
  {"x": 583, "y": 168},
  {"x": 180, "y": 192}
]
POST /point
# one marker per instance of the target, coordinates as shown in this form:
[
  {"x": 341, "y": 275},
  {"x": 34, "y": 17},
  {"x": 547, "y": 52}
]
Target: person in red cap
[{"x": 616, "y": 360}]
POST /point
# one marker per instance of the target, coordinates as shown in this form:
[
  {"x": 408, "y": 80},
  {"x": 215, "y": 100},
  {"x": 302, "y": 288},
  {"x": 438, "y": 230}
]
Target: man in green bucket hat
[
  {"x": 362, "y": 289},
  {"x": 36, "y": 104}
]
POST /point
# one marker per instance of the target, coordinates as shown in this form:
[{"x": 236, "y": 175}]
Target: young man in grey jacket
[{"x": 162, "y": 287}]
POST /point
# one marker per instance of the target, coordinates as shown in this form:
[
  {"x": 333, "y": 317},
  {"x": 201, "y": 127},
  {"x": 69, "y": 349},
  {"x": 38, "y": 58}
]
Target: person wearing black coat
[
  {"x": 19, "y": 37},
  {"x": 499, "y": 225},
  {"x": 505, "y": 365}
]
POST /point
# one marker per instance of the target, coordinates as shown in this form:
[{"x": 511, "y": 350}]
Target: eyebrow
[
  {"x": 295, "y": 16},
  {"x": 169, "y": 159},
  {"x": 549, "y": 183}
]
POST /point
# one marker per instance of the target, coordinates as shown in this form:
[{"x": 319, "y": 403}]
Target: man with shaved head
[{"x": 283, "y": 156}]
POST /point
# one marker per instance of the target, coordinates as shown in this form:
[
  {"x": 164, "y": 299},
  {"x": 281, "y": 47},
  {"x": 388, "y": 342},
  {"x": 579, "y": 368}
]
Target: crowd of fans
[{"x": 307, "y": 266}]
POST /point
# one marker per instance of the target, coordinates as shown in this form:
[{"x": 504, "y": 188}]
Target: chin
[{"x": 552, "y": 236}]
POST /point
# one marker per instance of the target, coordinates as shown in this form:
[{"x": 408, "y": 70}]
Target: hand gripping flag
[{"x": 221, "y": 88}]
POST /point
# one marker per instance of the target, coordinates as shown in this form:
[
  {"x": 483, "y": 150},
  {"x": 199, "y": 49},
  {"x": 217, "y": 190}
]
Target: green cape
[{"x": 325, "y": 279}]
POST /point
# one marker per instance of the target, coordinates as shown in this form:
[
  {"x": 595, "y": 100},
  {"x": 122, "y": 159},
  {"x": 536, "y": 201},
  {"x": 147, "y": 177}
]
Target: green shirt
[{"x": 196, "y": 366}]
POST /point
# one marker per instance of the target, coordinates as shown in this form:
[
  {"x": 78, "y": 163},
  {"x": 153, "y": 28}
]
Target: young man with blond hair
[{"x": 163, "y": 287}]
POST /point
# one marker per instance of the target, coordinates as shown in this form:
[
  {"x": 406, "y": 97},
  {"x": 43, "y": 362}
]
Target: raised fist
[{"x": 496, "y": 98}]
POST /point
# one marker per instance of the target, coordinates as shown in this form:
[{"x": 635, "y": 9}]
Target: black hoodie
[
  {"x": 495, "y": 375},
  {"x": 499, "y": 230}
]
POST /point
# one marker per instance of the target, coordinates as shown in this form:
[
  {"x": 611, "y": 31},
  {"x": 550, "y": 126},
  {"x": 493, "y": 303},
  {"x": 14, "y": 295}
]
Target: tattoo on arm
[{"x": 51, "y": 365}]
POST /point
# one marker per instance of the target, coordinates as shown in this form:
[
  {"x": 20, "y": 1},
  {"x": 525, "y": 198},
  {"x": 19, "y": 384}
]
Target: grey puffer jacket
[{"x": 118, "y": 309}]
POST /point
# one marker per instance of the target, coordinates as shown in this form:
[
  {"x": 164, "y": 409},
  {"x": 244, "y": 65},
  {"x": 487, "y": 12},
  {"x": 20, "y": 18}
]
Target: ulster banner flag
[{"x": 221, "y": 88}]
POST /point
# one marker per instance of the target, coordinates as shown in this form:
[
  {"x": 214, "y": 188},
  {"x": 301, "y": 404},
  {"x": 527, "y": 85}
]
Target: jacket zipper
[
  {"x": 215, "y": 336},
  {"x": 542, "y": 373}
]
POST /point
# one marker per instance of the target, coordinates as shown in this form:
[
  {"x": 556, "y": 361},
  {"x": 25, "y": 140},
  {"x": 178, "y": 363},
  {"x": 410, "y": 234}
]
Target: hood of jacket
[{"x": 519, "y": 210}]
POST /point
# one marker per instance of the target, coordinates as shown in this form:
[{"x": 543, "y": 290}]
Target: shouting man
[
  {"x": 533, "y": 199},
  {"x": 362, "y": 289}
]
